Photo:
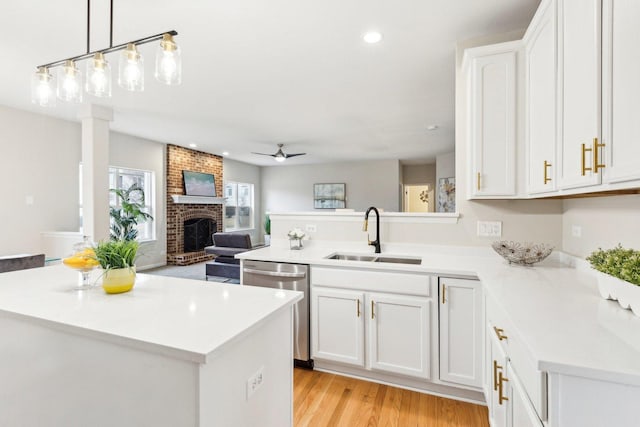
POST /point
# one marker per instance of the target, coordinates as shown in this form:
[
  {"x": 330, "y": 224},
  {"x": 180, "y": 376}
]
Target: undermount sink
[{"x": 375, "y": 258}]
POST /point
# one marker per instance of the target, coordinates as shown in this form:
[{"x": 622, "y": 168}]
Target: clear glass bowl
[{"x": 83, "y": 259}]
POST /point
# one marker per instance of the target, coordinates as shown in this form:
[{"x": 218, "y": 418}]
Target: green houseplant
[
  {"x": 267, "y": 229},
  {"x": 620, "y": 275},
  {"x": 117, "y": 257},
  {"x": 128, "y": 214}
]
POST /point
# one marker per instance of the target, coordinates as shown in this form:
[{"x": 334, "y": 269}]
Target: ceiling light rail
[{"x": 168, "y": 70}]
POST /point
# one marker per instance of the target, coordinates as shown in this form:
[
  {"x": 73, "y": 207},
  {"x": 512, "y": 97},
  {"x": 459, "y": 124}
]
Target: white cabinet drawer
[
  {"x": 372, "y": 280},
  {"x": 533, "y": 380}
]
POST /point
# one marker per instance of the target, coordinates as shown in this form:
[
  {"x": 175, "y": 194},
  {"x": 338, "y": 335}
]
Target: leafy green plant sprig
[
  {"x": 126, "y": 217},
  {"x": 116, "y": 254},
  {"x": 618, "y": 262},
  {"x": 267, "y": 224}
]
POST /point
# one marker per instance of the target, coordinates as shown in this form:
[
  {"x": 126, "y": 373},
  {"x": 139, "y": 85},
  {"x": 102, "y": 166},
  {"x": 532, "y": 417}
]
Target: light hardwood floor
[{"x": 322, "y": 399}]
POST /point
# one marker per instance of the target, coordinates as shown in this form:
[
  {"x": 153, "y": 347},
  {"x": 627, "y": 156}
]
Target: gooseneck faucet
[{"x": 376, "y": 242}]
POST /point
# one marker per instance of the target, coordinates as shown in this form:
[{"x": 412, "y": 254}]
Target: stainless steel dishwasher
[{"x": 287, "y": 276}]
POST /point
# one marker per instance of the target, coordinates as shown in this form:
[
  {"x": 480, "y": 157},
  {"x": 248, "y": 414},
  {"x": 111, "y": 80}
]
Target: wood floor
[{"x": 322, "y": 399}]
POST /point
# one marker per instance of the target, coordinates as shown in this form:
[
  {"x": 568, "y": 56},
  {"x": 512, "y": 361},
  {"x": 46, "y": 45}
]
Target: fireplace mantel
[{"x": 197, "y": 200}]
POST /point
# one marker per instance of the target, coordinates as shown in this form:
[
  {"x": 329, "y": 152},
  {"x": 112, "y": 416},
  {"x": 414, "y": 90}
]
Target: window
[
  {"x": 121, "y": 178},
  {"x": 238, "y": 210}
]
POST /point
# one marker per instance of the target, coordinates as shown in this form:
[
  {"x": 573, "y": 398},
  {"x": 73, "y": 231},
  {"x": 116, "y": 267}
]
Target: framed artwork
[
  {"x": 329, "y": 196},
  {"x": 446, "y": 195}
]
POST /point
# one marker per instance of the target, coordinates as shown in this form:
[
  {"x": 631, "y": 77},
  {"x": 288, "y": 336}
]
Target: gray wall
[{"x": 288, "y": 188}]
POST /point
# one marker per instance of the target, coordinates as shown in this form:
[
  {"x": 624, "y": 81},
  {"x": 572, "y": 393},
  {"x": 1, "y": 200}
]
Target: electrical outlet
[
  {"x": 490, "y": 228},
  {"x": 576, "y": 231},
  {"x": 310, "y": 228},
  {"x": 254, "y": 382}
]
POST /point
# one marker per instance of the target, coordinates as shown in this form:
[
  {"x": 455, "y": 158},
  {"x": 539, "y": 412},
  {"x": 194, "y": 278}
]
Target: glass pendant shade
[
  {"x": 131, "y": 69},
  {"x": 70, "y": 83},
  {"x": 168, "y": 62},
  {"x": 43, "y": 88},
  {"x": 98, "y": 77}
]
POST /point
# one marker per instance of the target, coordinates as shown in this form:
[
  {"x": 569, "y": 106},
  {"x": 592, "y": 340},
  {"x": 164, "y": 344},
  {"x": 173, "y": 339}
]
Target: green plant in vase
[
  {"x": 267, "y": 229},
  {"x": 117, "y": 259}
]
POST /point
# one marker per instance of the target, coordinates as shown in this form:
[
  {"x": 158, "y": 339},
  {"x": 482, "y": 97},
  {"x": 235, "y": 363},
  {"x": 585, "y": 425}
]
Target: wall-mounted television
[{"x": 199, "y": 184}]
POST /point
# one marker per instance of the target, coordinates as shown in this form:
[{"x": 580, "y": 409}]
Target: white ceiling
[{"x": 257, "y": 73}]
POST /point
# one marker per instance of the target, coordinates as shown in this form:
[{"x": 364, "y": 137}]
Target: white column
[{"x": 95, "y": 170}]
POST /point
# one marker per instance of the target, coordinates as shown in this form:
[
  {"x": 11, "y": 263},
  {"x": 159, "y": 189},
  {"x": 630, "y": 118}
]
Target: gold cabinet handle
[
  {"x": 358, "y": 309},
  {"x": 372, "y": 313},
  {"x": 499, "y": 333},
  {"x": 495, "y": 374},
  {"x": 478, "y": 181},
  {"x": 501, "y": 380},
  {"x": 596, "y": 157},
  {"x": 546, "y": 176},
  {"x": 444, "y": 292},
  {"x": 584, "y": 160}
]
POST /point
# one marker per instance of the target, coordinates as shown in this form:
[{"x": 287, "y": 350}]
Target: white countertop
[
  {"x": 181, "y": 318},
  {"x": 567, "y": 327}
]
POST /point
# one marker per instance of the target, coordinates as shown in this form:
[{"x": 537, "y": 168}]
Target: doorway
[{"x": 418, "y": 198}]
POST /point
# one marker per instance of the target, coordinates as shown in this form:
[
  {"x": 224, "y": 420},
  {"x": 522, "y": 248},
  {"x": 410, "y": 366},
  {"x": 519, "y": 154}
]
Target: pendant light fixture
[
  {"x": 98, "y": 70},
  {"x": 43, "y": 88},
  {"x": 70, "y": 83}
]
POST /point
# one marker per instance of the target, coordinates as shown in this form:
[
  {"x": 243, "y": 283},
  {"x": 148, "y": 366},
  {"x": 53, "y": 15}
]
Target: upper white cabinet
[
  {"x": 461, "y": 331},
  {"x": 541, "y": 113},
  {"x": 579, "y": 93},
  {"x": 492, "y": 119},
  {"x": 621, "y": 90}
]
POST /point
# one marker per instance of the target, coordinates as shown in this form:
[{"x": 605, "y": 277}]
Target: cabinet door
[
  {"x": 492, "y": 126},
  {"x": 499, "y": 398},
  {"x": 621, "y": 90},
  {"x": 579, "y": 101},
  {"x": 541, "y": 131},
  {"x": 337, "y": 325},
  {"x": 399, "y": 334},
  {"x": 461, "y": 331},
  {"x": 522, "y": 413}
]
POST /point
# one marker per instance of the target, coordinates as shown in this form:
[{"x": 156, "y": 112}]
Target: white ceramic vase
[{"x": 627, "y": 294}]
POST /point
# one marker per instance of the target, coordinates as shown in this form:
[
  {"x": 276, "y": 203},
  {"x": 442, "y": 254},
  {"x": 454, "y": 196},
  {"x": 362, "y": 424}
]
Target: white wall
[
  {"x": 243, "y": 172},
  {"x": 39, "y": 159},
  {"x": 368, "y": 183},
  {"x": 137, "y": 153}
]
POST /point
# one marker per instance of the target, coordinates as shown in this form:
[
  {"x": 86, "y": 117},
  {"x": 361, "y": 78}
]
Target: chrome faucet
[{"x": 376, "y": 242}]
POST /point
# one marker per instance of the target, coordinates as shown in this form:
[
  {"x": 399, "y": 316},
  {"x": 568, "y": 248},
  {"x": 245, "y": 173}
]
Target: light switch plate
[{"x": 490, "y": 228}]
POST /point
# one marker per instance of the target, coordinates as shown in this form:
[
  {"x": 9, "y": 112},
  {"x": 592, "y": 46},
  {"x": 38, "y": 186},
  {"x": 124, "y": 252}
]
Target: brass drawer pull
[
  {"x": 584, "y": 160},
  {"x": 495, "y": 374},
  {"x": 478, "y": 181},
  {"x": 501, "y": 380},
  {"x": 499, "y": 333},
  {"x": 358, "y": 309},
  {"x": 444, "y": 293},
  {"x": 596, "y": 157},
  {"x": 546, "y": 176},
  {"x": 372, "y": 313}
]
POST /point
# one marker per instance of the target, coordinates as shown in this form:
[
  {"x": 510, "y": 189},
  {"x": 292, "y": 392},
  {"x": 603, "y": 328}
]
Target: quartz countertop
[
  {"x": 554, "y": 305},
  {"x": 181, "y": 318}
]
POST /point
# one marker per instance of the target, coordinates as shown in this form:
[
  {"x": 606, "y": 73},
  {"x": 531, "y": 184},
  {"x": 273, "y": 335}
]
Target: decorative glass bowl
[
  {"x": 522, "y": 253},
  {"x": 83, "y": 260}
]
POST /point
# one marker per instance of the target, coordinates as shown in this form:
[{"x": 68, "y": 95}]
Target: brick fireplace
[{"x": 179, "y": 159}]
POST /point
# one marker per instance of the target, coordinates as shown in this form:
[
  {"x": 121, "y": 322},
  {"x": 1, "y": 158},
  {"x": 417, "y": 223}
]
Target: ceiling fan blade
[
  {"x": 293, "y": 155},
  {"x": 263, "y": 154}
]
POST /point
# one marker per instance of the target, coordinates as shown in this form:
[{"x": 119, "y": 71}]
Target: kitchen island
[{"x": 172, "y": 352}]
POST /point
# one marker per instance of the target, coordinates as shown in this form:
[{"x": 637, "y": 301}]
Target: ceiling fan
[{"x": 279, "y": 155}]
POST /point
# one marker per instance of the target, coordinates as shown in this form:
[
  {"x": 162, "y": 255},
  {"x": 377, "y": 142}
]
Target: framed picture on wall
[
  {"x": 447, "y": 195},
  {"x": 329, "y": 196}
]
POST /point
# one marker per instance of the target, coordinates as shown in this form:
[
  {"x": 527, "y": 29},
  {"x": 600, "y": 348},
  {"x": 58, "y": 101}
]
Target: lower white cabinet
[
  {"x": 337, "y": 321},
  {"x": 499, "y": 387},
  {"x": 461, "y": 326},
  {"x": 520, "y": 411},
  {"x": 398, "y": 330}
]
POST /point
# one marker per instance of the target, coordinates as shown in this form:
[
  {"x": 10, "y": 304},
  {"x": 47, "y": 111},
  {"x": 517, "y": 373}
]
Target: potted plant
[
  {"x": 295, "y": 238},
  {"x": 267, "y": 230},
  {"x": 116, "y": 257},
  {"x": 620, "y": 275},
  {"x": 126, "y": 217}
]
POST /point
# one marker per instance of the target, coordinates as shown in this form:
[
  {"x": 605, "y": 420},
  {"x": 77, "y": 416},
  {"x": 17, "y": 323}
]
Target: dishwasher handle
[{"x": 274, "y": 273}]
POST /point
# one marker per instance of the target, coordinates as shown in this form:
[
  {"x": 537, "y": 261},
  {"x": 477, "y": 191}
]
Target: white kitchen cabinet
[
  {"x": 579, "y": 147},
  {"x": 337, "y": 322},
  {"x": 520, "y": 413},
  {"x": 492, "y": 119},
  {"x": 621, "y": 91},
  {"x": 399, "y": 334},
  {"x": 541, "y": 59},
  {"x": 461, "y": 326}
]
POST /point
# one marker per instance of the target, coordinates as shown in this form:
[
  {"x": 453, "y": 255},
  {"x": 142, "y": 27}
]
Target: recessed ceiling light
[
  {"x": 192, "y": 145},
  {"x": 432, "y": 127},
  {"x": 372, "y": 37},
  {"x": 225, "y": 153}
]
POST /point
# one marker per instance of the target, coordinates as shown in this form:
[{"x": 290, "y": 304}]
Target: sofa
[
  {"x": 225, "y": 247},
  {"x": 20, "y": 262}
]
